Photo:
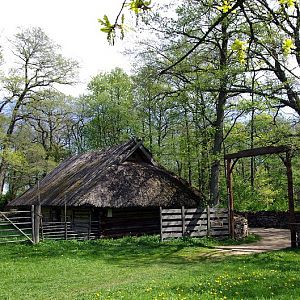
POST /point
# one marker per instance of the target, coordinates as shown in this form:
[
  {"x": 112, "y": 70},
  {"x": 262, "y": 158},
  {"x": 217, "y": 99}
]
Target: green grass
[{"x": 144, "y": 268}]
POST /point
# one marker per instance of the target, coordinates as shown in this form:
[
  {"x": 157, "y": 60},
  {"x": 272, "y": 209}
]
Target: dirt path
[{"x": 271, "y": 239}]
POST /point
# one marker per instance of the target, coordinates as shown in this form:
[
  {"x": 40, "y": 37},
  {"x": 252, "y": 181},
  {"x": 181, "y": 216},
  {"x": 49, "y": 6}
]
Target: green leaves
[
  {"x": 138, "y": 6},
  {"x": 289, "y": 3},
  {"x": 110, "y": 29},
  {"x": 225, "y": 7},
  {"x": 239, "y": 47},
  {"x": 287, "y": 47}
]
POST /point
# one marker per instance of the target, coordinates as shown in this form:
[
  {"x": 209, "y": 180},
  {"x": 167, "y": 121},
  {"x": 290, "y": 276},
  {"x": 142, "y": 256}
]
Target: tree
[
  {"x": 39, "y": 66},
  {"x": 109, "y": 110}
]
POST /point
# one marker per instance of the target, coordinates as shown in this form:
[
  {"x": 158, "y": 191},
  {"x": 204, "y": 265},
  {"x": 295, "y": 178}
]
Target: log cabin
[{"x": 109, "y": 193}]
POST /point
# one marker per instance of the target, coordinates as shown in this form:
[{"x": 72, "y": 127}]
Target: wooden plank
[
  {"x": 196, "y": 228},
  {"x": 172, "y": 229},
  {"x": 208, "y": 221},
  {"x": 195, "y": 210},
  {"x": 171, "y": 217},
  {"x": 219, "y": 216},
  {"x": 170, "y": 235},
  {"x": 171, "y": 211},
  {"x": 171, "y": 223},
  {"x": 221, "y": 210},
  {"x": 160, "y": 223},
  {"x": 183, "y": 220}
]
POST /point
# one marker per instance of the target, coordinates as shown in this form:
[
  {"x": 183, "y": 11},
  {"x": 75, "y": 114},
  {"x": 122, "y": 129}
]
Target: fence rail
[
  {"x": 194, "y": 222},
  {"x": 68, "y": 231}
]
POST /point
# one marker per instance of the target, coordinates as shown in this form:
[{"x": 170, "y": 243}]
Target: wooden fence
[
  {"x": 193, "y": 222},
  {"x": 16, "y": 226}
]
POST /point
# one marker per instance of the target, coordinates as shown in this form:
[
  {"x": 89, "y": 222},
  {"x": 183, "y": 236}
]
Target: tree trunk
[{"x": 219, "y": 123}]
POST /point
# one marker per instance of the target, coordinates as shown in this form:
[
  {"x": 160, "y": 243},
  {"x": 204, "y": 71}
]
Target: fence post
[
  {"x": 32, "y": 224},
  {"x": 66, "y": 225},
  {"x": 183, "y": 221},
  {"x": 160, "y": 221},
  {"x": 208, "y": 220},
  {"x": 37, "y": 218}
]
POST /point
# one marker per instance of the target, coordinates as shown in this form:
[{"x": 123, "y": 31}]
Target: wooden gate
[
  {"x": 16, "y": 226},
  {"x": 193, "y": 222}
]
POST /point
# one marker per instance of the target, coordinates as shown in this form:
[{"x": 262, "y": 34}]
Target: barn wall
[{"x": 130, "y": 221}]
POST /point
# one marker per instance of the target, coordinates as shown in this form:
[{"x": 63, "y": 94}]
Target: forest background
[{"x": 208, "y": 78}]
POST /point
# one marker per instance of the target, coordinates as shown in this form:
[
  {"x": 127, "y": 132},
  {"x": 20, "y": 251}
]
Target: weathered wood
[
  {"x": 37, "y": 221},
  {"x": 171, "y": 211},
  {"x": 183, "y": 220},
  {"x": 257, "y": 152},
  {"x": 292, "y": 218},
  {"x": 196, "y": 224},
  {"x": 65, "y": 220},
  {"x": 160, "y": 223},
  {"x": 208, "y": 221},
  {"x": 32, "y": 224},
  {"x": 10, "y": 222},
  {"x": 230, "y": 197}
]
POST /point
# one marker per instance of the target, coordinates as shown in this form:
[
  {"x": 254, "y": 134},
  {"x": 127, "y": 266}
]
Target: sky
[{"x": 73, "y": 25}]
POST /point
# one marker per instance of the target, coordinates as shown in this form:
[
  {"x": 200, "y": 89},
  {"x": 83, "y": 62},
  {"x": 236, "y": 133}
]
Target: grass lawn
[{"x": 144, "y": 268}]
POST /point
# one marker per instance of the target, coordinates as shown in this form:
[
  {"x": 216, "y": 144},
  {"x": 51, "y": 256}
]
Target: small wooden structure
[
  {"x": 231, "y": 160},
  {"x": 114, "y": 192}
]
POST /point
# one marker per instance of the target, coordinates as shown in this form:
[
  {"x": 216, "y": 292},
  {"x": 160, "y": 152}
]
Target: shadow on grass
[{"x": 129, "y": 251}]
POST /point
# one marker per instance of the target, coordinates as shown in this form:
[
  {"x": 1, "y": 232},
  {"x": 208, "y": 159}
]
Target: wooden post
[
  {"x": 292, "y": 219},
  {"x": 90, "y": 225},
  {"x": 183, "y": 221},
  {"x": 65, "y": 219},
  {"x": 230, "y": 198},
  {"x": 160, "y": 221},
  {"x": 32, "y": 224},
  {"x": 208, "y": 220},
  {"x": 37, "y": 218}
]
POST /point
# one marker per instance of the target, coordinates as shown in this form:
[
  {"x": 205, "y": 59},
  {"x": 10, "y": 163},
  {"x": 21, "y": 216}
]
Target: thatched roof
[{"x": 121, "y": 176}]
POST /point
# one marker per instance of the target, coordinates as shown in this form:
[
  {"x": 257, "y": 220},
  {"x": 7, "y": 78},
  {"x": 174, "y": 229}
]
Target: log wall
[{"x": 129, "y": 221}]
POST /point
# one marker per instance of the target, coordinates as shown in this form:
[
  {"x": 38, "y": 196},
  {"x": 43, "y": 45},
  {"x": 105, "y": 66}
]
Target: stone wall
[{"x": 268, "y": 219}]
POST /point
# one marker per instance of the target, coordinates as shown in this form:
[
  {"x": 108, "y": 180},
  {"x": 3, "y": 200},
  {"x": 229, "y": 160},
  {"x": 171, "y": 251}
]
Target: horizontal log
[
  {"x": 16, "y": 223},
  {"x": 19, "y": 218},
  {"x": 13, "y": 241},
  {"x": 16, "y": 212},
  {"x": 11, "y": 235},
  {"x": 51, "y": 223},
  {"x": 257, "y": 151}
]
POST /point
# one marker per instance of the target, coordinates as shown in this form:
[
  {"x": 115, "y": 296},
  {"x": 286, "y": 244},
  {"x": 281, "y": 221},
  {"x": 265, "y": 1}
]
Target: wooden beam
[
  {"x": 292, "y": 218},
  {"x": 230, "y": 197},
  {"x": 258, "y": 151}
]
